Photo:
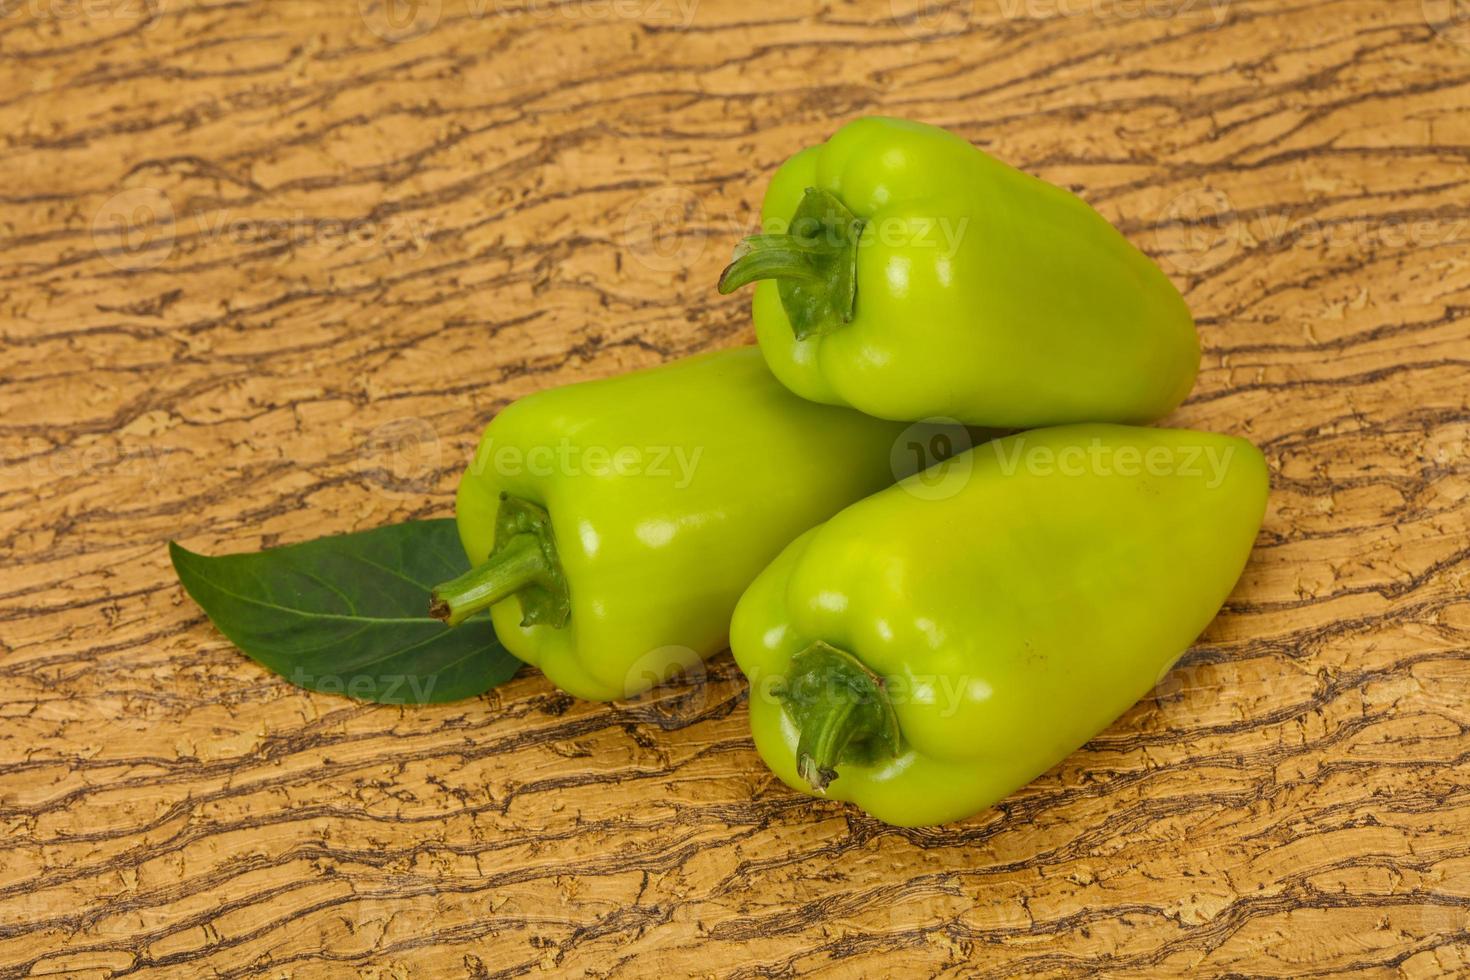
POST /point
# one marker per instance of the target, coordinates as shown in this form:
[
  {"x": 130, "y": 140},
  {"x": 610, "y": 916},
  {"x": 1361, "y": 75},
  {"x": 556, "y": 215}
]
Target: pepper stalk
[
  {"x": 842, "y": 710},
  {"x": 814, "y": 264},
  {"x": 523, "y": 563}
]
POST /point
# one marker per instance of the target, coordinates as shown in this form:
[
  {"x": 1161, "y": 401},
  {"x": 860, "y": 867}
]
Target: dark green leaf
[{"x": 349, "y": 614}]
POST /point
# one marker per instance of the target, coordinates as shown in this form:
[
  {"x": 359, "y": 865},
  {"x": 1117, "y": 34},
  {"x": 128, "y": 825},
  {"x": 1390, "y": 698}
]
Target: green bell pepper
[
  {"x": 925, "y": 656},
  {"x": 613, "y": 524},
  {"x": 909, "y": 275}
]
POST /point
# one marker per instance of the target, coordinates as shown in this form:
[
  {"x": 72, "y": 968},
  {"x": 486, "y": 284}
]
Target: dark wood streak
[{"x": 1288, "y": 801}]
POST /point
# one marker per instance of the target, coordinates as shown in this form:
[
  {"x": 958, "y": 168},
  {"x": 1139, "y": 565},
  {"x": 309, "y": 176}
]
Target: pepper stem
[
  {"x": 509, "y": 570},
  {"x": 814, "y": 264},
  {"x": 523, "y": 563},
  {"x": 775, "y": 257},
  {"x": 842, "y": 711}
]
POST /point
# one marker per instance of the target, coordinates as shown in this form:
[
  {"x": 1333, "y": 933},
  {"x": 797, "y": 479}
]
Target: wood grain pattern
[{"x": 267, "y": 268}]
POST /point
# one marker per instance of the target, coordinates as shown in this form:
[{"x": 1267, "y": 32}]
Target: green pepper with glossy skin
[
  {"x": 910, "y": 275},
  {"x": 613, "y": 524},
  {"x": 933, "y": 648}
]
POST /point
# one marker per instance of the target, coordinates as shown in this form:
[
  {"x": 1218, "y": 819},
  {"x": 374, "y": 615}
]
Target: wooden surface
[{"x": 266, "y": 269}]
